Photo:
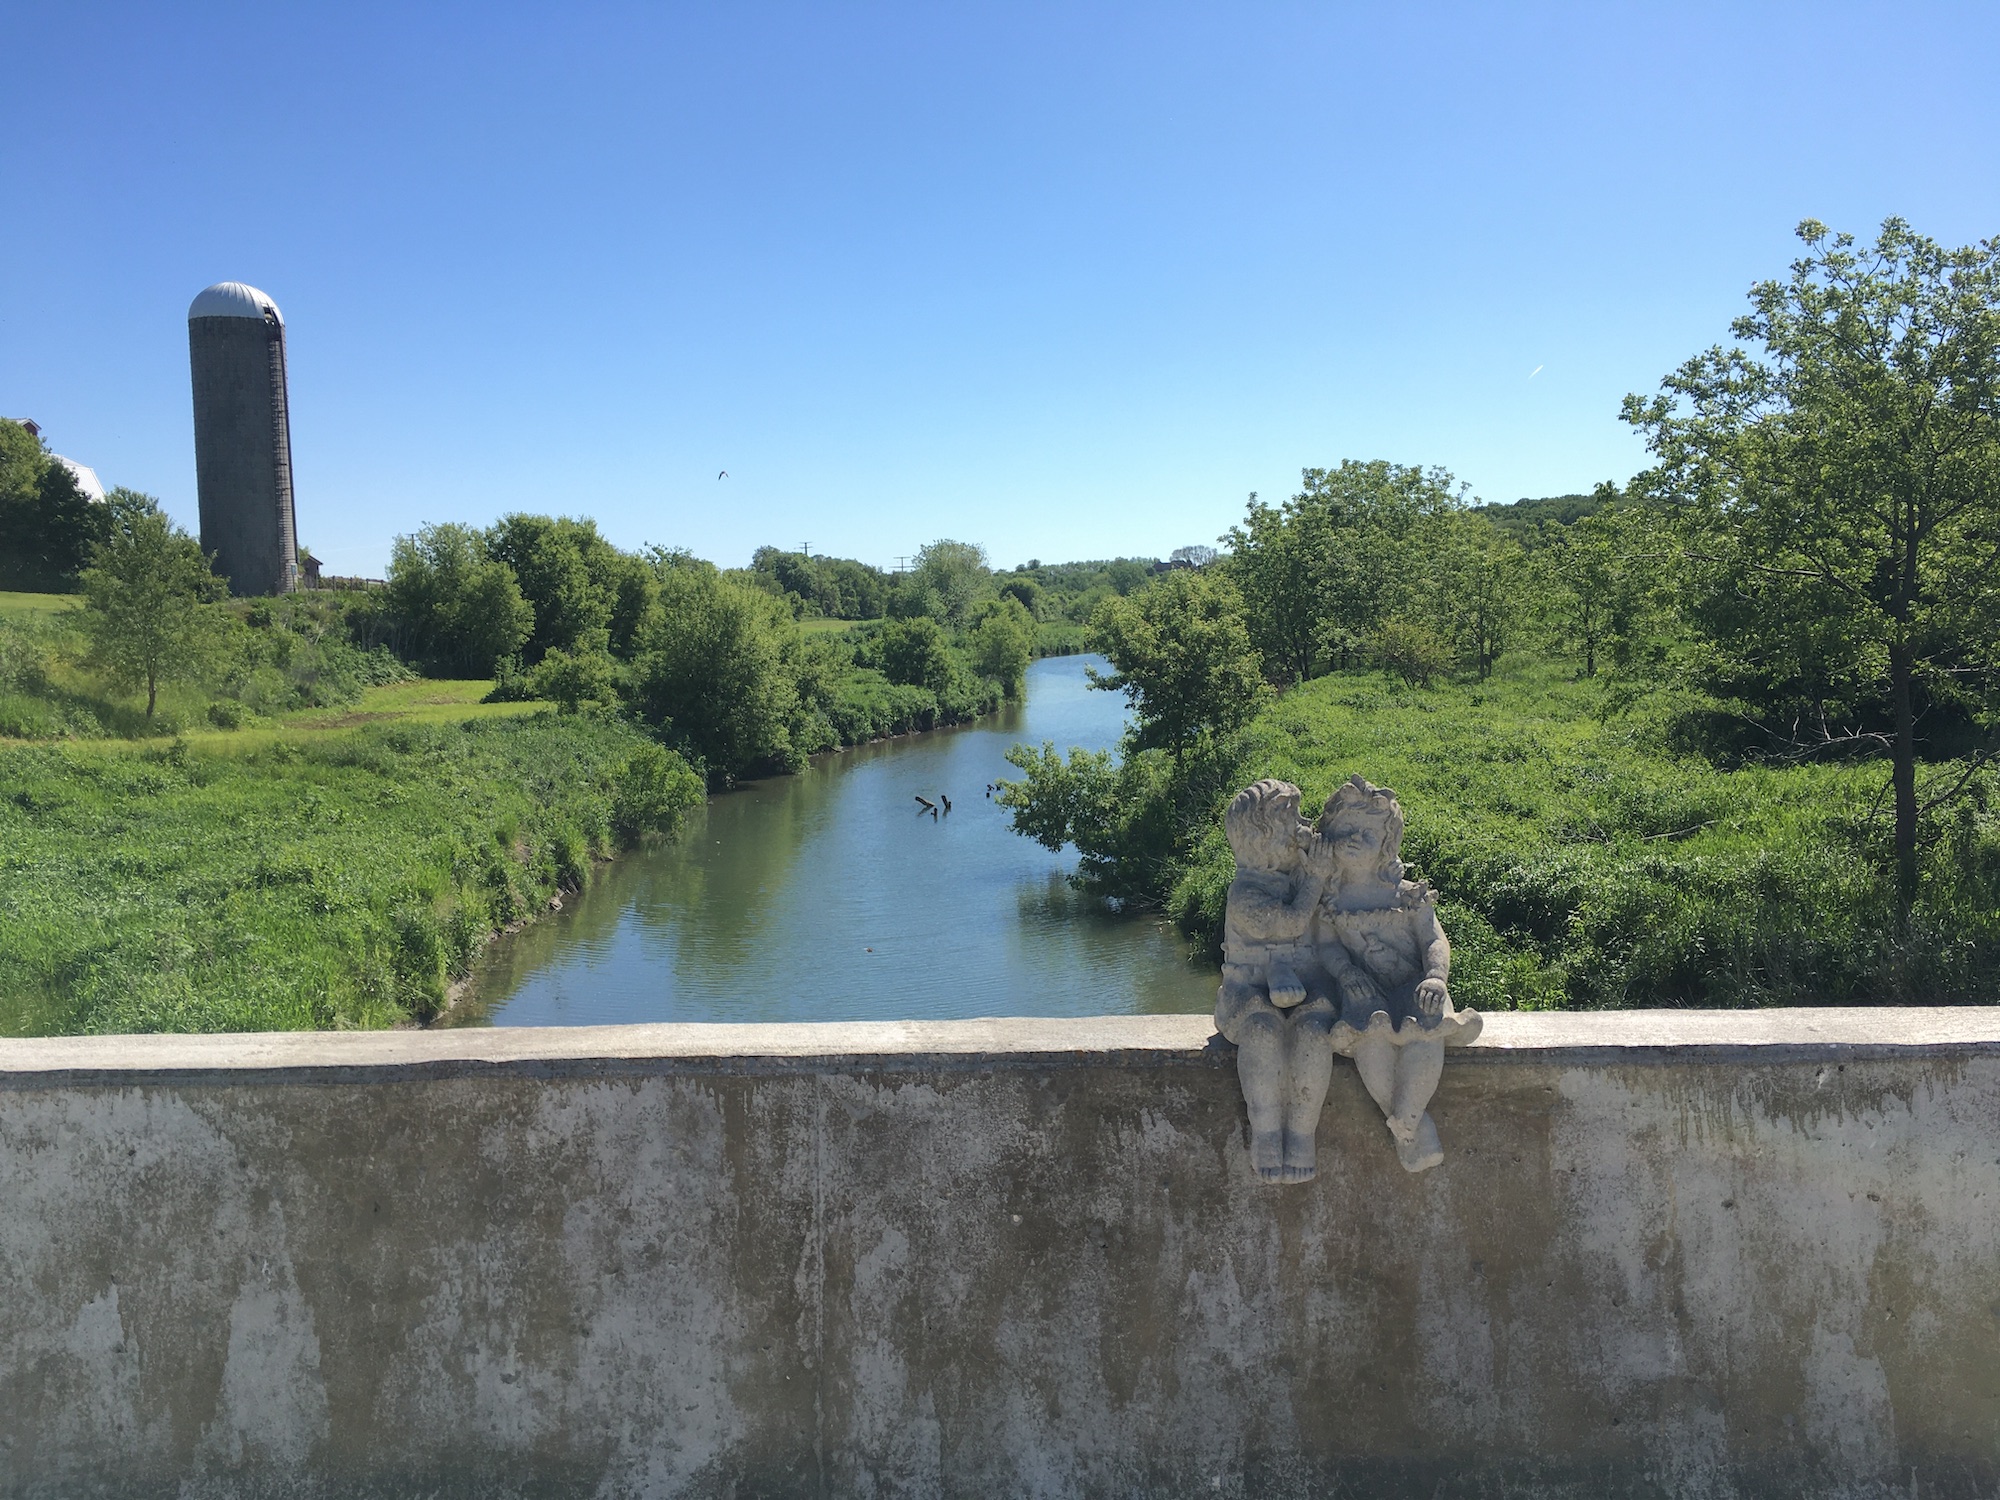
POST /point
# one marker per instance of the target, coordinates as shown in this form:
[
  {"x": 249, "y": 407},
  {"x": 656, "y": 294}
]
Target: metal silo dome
[{"x": 233, "y": 299}]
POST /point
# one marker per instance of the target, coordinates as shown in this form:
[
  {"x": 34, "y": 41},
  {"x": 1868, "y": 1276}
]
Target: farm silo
[{"x": 243, "y": 438}]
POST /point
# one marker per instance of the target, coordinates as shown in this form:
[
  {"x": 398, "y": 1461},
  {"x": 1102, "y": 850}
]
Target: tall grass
[
  {"x": 323, "y": 879},
  {"x": 1581, "y": 863}
]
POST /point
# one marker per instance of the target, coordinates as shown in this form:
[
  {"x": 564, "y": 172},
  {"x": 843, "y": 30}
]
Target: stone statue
[
  {"x": 1275, "y": 1002},
  {"x": 1327, "y": 948},
  {"x": 1380, "y": 940}
]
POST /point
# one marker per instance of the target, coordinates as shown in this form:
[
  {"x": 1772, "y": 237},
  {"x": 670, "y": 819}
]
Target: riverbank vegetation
[
  {"x": 312, "y": 810},
  {"x": 341, "y": 876},
  {"x": 1725, "y": 736}
]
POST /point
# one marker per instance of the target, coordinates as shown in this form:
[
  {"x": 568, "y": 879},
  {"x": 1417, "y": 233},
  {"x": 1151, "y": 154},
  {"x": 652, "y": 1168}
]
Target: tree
[
  {"x": 1198, "y": 556},
  {"x": 1003, "y": 643},
  {"x": 917, "y": 653},
  {"x": 1840, "y": 487},
  {"x": 459, "y": 608},
  {"x": 144, "y": 595},
  {"x": 1320, "y": 573},
  {"x": 567, "y": 572},
  {"x": 1184, "y": 660},
  {"x": 575, "y": 682},
  {"x": 715, "y": 671},
  {"x": 946, "y": 581},
  {"x": 48, "y": 526}
]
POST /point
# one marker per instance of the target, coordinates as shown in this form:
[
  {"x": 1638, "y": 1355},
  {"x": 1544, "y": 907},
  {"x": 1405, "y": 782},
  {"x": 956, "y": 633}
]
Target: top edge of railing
[{"x": 1609, "y": 1038}]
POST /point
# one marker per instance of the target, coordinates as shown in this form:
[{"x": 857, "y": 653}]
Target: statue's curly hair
[
  {"x": 1378, "y": 803},
  {"x": 1260, "y": 818}
]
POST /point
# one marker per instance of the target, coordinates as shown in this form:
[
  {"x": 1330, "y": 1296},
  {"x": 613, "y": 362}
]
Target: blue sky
[{"x": 1064, "y": 280}]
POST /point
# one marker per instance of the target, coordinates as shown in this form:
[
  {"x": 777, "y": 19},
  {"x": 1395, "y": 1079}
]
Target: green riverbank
[{"x": 303, "y": 876}]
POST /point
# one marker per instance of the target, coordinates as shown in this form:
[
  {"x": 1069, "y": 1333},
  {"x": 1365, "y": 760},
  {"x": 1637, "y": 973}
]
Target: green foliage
[
  {"x": 917, "y": 653},
  {"x": 654, "y": 794},
  {"x": 48, "y": 526},
  {"x": 1580, "y": 862},
  {"x": 342, "y": 879},
  {"x": 947, "y": 579},
  {"x": 1184, "y": 661},
  {"x": 587, "y": 679},
  {"x": 833, "y": 588},
  {"x": 1839, "y": 489},
  {"x": 147, "y": 593},
  {"x": 1411, "y": 649},
  {"x": 1134, "y": 819},
  {"x": 1002, "y": 643},
  {"x": 571, "y": 578},
  {"x": 459, "y": 609},
  {"x": 717, "y": 673}
]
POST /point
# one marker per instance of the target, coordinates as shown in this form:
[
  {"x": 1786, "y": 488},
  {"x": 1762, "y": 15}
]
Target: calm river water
[{"x": 831, "y": 896}]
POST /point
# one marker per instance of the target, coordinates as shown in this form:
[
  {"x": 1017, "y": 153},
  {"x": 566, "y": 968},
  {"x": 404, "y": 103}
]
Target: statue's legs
[
  {"x": 1401, "y": 1081},
  {"x": 1308, "y": 1070},
  {"x": 1260, "y": 1065}
]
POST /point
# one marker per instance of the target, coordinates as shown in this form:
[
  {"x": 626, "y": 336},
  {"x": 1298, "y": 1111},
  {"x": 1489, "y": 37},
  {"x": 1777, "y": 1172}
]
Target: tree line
[{"x": 1809, "y": 566}]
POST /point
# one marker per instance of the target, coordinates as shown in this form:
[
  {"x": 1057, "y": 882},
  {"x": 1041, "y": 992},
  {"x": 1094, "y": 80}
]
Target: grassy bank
[
  {"x": 1582, "y": 863},
  {"x": 300, "y": 876}
]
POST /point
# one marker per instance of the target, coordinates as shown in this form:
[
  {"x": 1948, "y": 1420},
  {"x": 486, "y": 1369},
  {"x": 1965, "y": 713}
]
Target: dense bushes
[
  {"x": 325, "y": 881},
  {"x": 1580, "y": 861}
]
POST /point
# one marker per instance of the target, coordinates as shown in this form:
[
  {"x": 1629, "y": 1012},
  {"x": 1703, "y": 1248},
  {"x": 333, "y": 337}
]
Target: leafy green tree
[
  {"x": 574, "y": 682},
  {"x": 1003, "y": 643},
  {"x": 1321, "y": 572},
  {"x": 918, "y": 653},
  {"x": 1478, "y": 581},
  {"x": 458, "y": 608},
  {"x": 146, "y": 592},
  {"x": 1412, "y": 649},
  {"x": 1184, "y": 661},
  {"x": 715, "y": 671},
  {"x": 567, "y": 572},
  {"x": 1840, "y": 486},
  {"x": 1025, "y": 589},
  {"x": 48, "y": 526},
  {"x": 947, "y": 579}
]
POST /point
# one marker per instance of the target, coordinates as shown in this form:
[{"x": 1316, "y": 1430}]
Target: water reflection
[{"x": 832, "y": 896}]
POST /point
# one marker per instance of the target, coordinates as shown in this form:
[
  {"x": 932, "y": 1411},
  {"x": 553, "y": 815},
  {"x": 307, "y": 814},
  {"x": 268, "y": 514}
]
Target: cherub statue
[
  {"x": 1388, "y": 958},
  {"x": 1275, "y": 1002}
]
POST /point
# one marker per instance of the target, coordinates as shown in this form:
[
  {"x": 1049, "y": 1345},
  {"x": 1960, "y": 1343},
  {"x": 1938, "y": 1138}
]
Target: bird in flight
[
  {"x": 1536, "y": 371},
  {"x": 723, "y": 475}
]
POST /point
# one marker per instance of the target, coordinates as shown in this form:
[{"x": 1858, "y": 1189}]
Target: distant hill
[{"x": 1520, "y": 519}]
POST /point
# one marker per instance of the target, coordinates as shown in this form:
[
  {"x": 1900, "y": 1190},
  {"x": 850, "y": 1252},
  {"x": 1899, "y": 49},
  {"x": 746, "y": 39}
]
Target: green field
[
  {"x": 14, "y": 606},
  {"x": 1581, "y": 862},
  {"x": 307, "y": 874}
]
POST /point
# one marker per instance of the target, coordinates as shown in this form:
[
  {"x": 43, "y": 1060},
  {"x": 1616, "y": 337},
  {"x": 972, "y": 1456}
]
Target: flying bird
[
  {"x": 1536, "y": 371},
  {"x": 723, "y": 475}
]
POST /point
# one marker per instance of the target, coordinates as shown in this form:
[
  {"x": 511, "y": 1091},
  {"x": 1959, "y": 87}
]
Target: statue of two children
[{"x": 1327, "y": 948}]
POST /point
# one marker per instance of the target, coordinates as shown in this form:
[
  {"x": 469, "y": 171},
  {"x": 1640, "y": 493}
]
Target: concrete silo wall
[{"x": 243, "y": 451}]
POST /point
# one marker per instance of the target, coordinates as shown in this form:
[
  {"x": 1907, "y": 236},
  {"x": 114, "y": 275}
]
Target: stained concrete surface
[{"x": 1669, "y": 1254}]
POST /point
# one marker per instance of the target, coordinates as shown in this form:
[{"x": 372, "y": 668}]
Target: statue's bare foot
[
  {"x": 1267, "y": 1154},
  {"x": 1301, "y": 1152},
  {"x": 1423, "y": 1151},
  {"x": 1405, "y": 1131}
]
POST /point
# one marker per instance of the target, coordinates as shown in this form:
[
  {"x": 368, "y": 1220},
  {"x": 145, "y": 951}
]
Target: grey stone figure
[
  {"x": 1327, "y": 948},
  {"x": 1276, "y": 1001},
  {"x": 1379, "y": 939}
]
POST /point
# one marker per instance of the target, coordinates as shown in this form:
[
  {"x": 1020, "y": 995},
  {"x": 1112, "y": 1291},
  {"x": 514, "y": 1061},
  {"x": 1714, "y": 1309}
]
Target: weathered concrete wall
[{"x": 1668, "y": 1255}]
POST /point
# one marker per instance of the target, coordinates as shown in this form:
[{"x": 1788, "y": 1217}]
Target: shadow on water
[{"x": 831, "y": 895}]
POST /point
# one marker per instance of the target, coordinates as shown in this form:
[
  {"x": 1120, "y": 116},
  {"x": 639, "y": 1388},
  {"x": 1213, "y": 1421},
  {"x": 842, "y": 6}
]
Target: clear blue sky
[{"x": 1063, "y": 280}]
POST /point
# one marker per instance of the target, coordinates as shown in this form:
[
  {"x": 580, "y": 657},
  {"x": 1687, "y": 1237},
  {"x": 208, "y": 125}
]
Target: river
[{"x": 832, "y": 896}]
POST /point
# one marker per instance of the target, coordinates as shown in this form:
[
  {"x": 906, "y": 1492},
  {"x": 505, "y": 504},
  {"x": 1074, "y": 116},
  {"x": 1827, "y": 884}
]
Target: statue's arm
[
  {"x": 1433, "y": 990},
  {"x": 1258, "y": 913}
]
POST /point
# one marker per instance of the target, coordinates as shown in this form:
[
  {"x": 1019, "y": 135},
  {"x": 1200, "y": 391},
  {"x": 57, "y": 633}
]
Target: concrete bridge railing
[{"x": 1669, "y": 1254}]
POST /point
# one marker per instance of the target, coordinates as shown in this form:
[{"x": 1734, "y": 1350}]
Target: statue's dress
[{"x": 1389, "y": 946}]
